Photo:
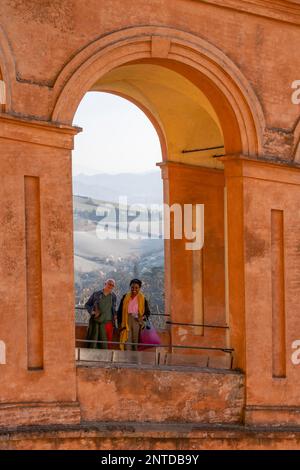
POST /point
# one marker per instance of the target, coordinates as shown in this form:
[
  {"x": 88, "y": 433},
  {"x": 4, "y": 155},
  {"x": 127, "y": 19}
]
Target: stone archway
[
  {"x": 183, "y": 118},
  {"x": 233, "y": 107},
  {"x": 224, "y": 84}
]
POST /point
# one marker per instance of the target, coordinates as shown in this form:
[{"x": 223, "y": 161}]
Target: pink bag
[{"x": 149, "y": 336}]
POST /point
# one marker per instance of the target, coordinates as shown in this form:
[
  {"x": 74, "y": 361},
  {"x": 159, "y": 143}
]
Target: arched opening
[
  {"x": 191, "y": 138},
  {"x": 201, "y": 112},
  {"x": 297, "y": 153},
  {"x": 117, "y": 204}
]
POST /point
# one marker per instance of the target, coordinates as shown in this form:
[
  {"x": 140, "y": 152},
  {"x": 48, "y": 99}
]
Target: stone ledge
[
  {"x": 272, "y": 415},
  {"x": 126, "y": 435}
]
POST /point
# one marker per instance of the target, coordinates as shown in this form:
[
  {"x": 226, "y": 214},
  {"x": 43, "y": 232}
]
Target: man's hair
[
  {"x": 136, "y": 281},
  {"x": 110, "y": 280}
]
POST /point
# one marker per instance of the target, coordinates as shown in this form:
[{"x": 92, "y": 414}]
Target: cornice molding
[
  {"x": 287, "y": 11},
  {"x": 49, "y": 134}
]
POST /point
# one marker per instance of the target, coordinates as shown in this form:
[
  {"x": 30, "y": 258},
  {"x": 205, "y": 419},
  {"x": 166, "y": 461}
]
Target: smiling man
[{"x": 102, "y": 309}]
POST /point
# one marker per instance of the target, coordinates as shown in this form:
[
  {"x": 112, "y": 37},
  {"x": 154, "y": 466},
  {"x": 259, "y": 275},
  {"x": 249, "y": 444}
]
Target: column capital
[
  {"x": 264, "y": 168},
  {"x": 32, "y": 131}
]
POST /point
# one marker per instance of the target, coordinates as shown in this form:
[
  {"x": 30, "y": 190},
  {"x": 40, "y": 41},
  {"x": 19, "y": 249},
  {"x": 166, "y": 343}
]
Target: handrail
[{"x": 197, "y": 324}]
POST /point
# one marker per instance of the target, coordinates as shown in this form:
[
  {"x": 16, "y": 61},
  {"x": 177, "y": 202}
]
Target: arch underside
[{"x": 184, "y": 118}]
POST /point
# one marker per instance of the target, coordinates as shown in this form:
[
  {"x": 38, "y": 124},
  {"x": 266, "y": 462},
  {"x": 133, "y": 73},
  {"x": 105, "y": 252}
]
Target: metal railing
[{"x": 163, "y": 353}]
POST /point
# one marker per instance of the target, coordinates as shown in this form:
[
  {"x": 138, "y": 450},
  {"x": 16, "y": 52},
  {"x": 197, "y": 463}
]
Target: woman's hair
[{"x": 136, "y": 281}]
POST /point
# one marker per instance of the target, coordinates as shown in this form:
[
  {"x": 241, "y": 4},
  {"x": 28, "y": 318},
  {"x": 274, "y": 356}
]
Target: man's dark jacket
[{"x": 96, "y": 328}]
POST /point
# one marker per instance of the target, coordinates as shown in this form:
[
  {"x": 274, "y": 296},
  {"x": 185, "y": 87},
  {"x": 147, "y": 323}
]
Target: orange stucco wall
[
  {"x": 244, "y": 59},
  {"x": 114, "y": 394}
]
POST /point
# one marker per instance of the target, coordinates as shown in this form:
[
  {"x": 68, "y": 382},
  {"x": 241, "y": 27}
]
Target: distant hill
[
  {"x": 93, "y": 253},
  {"x": 96, "y": 259},
  {"x": 144, "y": 188}
]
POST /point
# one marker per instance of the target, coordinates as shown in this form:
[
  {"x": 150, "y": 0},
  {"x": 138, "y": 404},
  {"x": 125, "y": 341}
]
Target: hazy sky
[{"x": 117, "y": 137}]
